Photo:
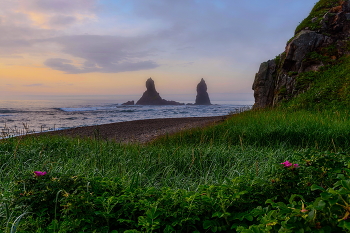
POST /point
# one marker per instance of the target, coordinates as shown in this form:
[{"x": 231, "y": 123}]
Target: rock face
[
  {"x": 264, "y": 84},
  {"x": 202, "y": 97},
  {"x": 323, "y": 40},
  {"x": 152, "y": 97},
  {"x": 129, "y": 103}
]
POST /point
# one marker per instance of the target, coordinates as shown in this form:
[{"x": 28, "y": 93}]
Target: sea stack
[
  {"x": 202, "y": 97},
  {"x": 152, "y": 97}
]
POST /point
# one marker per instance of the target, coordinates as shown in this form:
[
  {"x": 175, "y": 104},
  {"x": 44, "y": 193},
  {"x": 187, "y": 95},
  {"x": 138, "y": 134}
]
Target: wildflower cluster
[
  {"x": 39, "y": 173},
  {"x": 289, "y": 164}
]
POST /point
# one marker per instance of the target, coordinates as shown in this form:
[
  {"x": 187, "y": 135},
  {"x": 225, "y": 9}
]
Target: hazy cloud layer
[
  {"x": 62, "y": 20},
  {"x": 83, "y": 36},
  {"x": 106, "y": 54},
  {"x": 58, "y": 6},
  {"x": 34, "y": 85}
]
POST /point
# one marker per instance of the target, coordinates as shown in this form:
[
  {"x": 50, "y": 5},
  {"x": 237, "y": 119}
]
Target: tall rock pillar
[{"x": 202, "y": 97}]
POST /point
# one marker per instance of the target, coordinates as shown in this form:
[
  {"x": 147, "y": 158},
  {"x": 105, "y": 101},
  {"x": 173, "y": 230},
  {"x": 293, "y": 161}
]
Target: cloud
[
  {"x": 62, "y": 65},
  {"x": 18, "y": 40},
  {"x": 47, "y": 14},
  {"x": 223, "y": 28},
  {"x": 70, "y": 68},
  {"x": 184, "y": 31},
  {"x": 34, "y": 85},
  {"x": 62, "y": 20},
  {"x": 105, "y": 54},
  {"x": 59, "y": 6}
]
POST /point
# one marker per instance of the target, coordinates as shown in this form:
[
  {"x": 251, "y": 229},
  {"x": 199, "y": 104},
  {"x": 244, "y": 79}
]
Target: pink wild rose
[
  {"x": 296, "y": 165},
  {"x": 287, "y": 164},
  {"x": 39, "y": 173}
]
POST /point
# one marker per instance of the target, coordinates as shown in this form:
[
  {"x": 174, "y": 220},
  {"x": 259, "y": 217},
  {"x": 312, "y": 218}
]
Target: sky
[{"x": 111, "y": 47}]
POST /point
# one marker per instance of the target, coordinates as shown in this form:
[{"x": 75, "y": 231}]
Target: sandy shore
[{"x": 140, "y": 131}]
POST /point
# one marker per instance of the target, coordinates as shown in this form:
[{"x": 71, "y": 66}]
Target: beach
[{"x": 139, "y": 131}]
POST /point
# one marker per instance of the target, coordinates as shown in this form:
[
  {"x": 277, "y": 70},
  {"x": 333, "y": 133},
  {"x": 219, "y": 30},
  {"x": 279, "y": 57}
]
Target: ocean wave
[
  {"x": 4, "y": 110},
  {"x": 71, "y": 118},
  {"x": 87, "y": 109},
  {"x": 127, "y": 110},
  {"x": 96, "y": 108}
]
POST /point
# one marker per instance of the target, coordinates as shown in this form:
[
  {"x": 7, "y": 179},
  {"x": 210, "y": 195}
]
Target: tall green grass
[
  {"x": 175, "y": 166},
  {"x": 327, "y": 130},
  {"x": 246, "y": 146}
]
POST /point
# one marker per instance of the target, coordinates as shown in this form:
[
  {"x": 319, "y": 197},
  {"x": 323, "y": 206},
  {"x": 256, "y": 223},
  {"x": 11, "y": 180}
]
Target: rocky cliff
[
  {"x": 320, "y": 41},
  {"x": 152, "y": 97}
]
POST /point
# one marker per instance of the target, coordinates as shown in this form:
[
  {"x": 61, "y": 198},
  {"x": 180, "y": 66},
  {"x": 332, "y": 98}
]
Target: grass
[
  {"x": 276, "y": 128},
  {"x": 178, "y": 166},
  {"x": 245, "y": 149},
  {"x": 327, "y": 88},
  {"x": 236, "y": 147}
]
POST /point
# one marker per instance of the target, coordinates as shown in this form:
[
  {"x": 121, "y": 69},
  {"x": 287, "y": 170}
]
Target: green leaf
[
  {"x": 271, "y": 213},
  {"x": 346, "y": 184},
  {"x": 235, "y": 226},
  {"x": 244, "y": 230},
  {"x": 311, "y": 215},
  {"x": 333, "y": 201},
  {"x": 320, "y": 205},
  {"x": 326, "y": 196},
  {"x": 316, "y": 187},
  {"x": 332, "y": 191},
  {"x": 169, "y": 228},
  {"x": 249, "y": 217},
  {"x": 344, "y": 224},
  {"x": 338, "y": 183},
  {"x": 216, "y": 214},
  {"x": 207, "y": 224},
  {"x": 343, "y": 191},
  {"x": 269, "y": 201},
  {"x": 152, "y": 213},
  {"x": 255, "y": 229},
  {"x": 281, "y": 205}
]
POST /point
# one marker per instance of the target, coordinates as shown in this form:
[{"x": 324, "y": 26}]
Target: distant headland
[{"x": 152, "y": 97}]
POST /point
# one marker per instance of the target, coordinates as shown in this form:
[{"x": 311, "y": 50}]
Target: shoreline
[{"x": 138, "y": 131}]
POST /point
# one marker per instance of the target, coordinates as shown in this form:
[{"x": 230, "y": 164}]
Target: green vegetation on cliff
[
  {"x": 313, "y": 20},
  {"x": 328, "y": 88}
]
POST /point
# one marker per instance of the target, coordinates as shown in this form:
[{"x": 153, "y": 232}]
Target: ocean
[{"x": 39, "y": 115}]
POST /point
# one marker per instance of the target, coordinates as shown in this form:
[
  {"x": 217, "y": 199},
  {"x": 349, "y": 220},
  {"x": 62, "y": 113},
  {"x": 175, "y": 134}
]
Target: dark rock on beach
[
  {"x": 152, "y": 97},
  {"x": 202, "y": 97},
  {"x": 129, "y": 103}
]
